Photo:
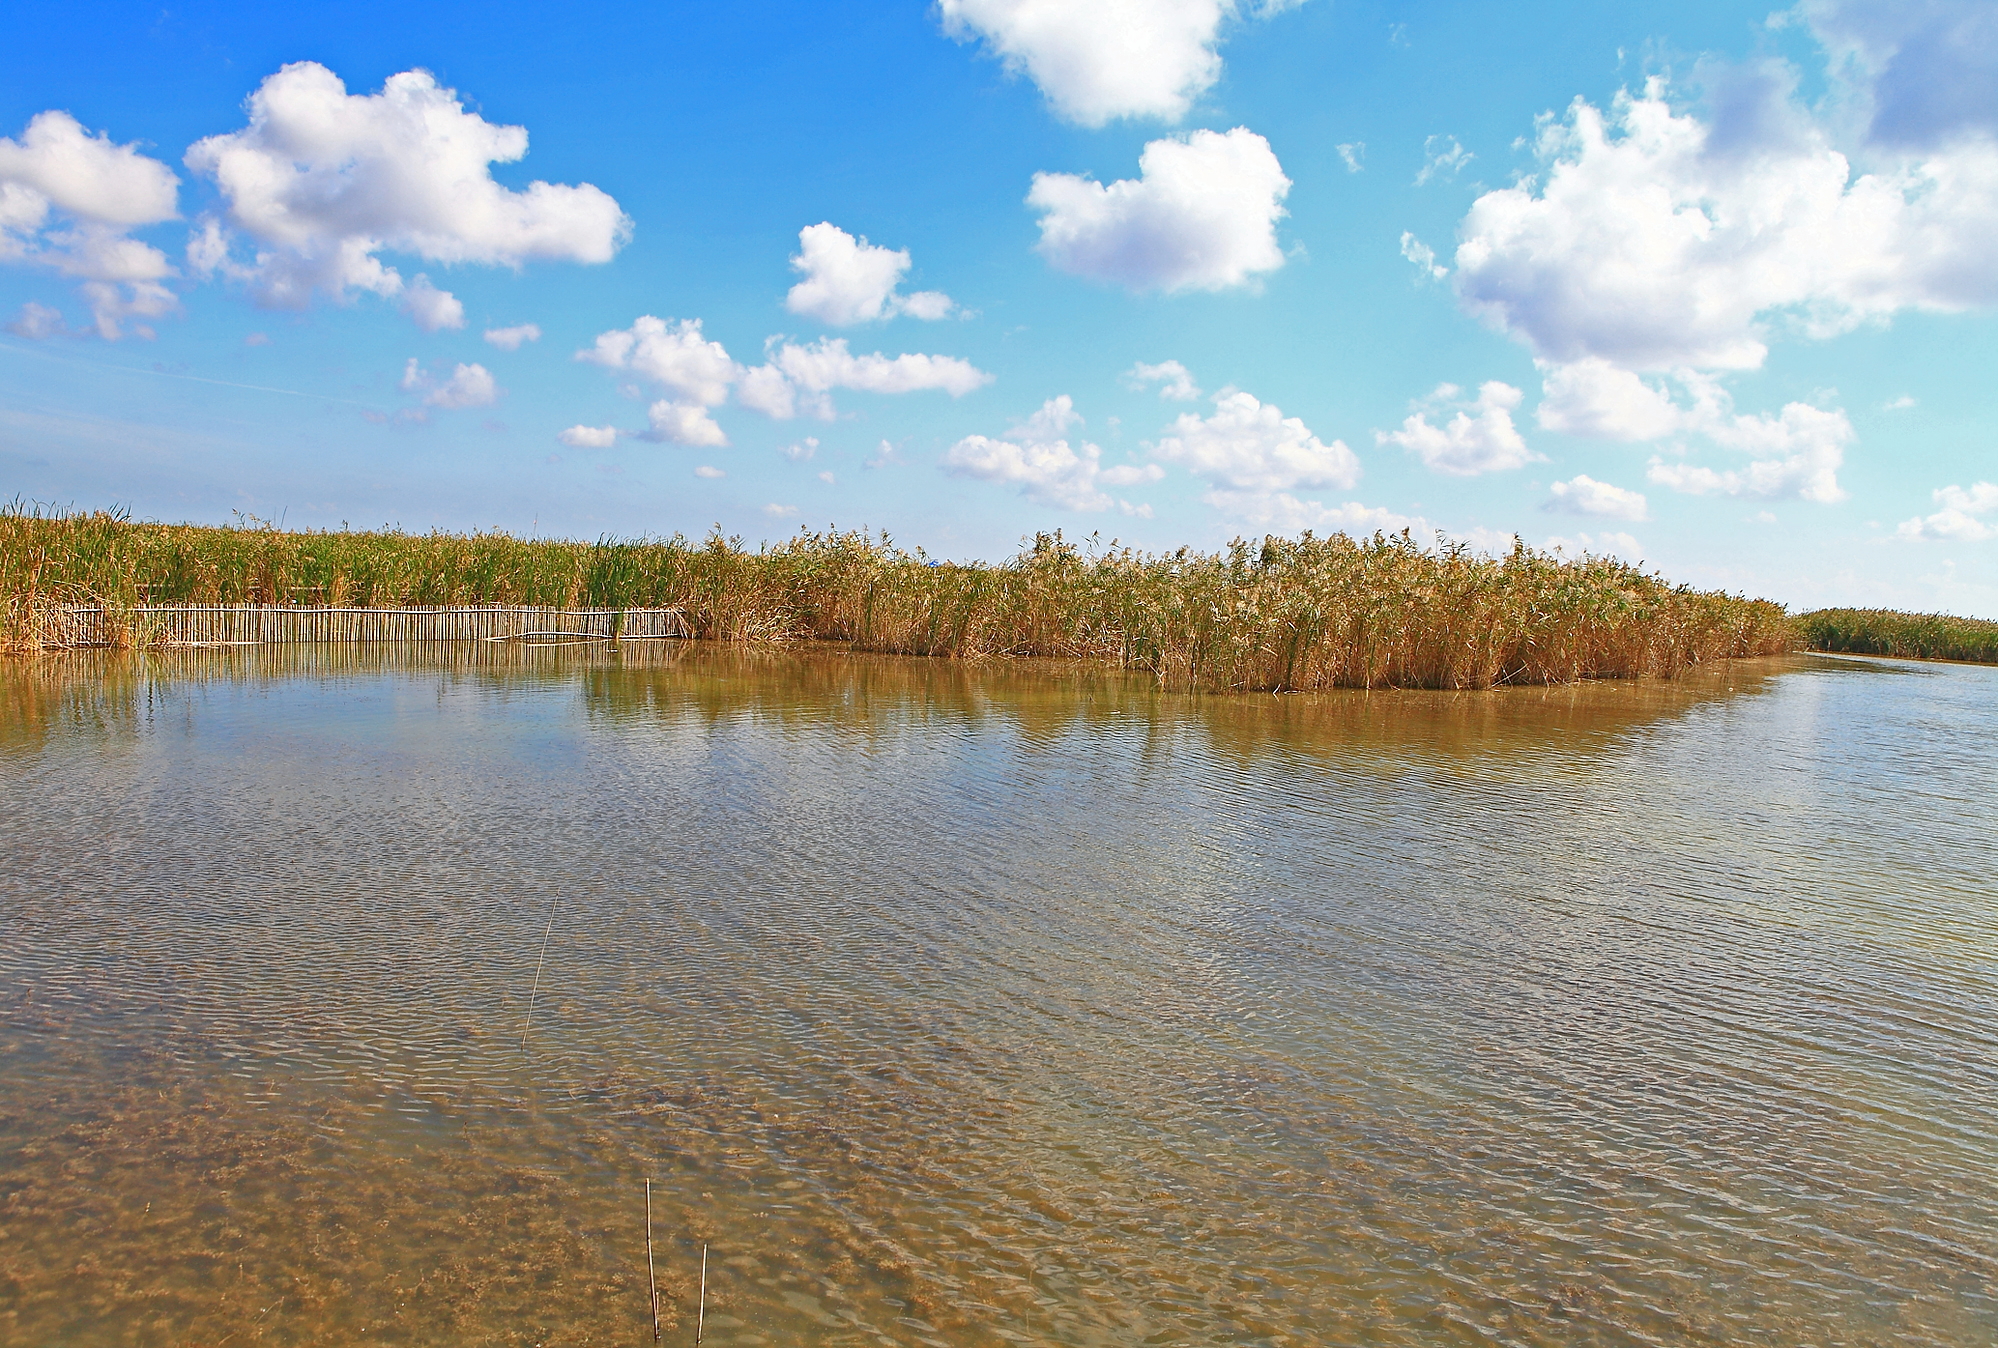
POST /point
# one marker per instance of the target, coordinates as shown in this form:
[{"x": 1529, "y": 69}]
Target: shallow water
[{"x": 959, "y": 1006}]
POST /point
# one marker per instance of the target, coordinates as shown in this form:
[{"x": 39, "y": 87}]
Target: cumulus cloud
[
  {"x": 1251, "y": 446},
  {"x": 1353, "y": 155},
  {"x": 1201, "y": 215},
  {"x": 1442, "y": 157},
  {"x": 1175, "y": 380},
  {"x": 430, "y": 308},
  {"x": 589, "y": 437},
  {"x": 1097, "y": 60},
  {"x": 1961, "y": 516},
  {"x": 1663, "y": 247},
  {"x": 68, "y": 201},
  {"x": 1796, "y": 453},
  {"x": 793, "y": 380},
  {"x": 468, "y": 386},
  {"x": 1922, "y": 73},
  {"x": 802, "y": 450},
  {"x": 1037, "y": 455},
  {"x": 1596, "y": 398},
  {"x": 1478, "y": 438},
  {"x": 679, "y": 423},
  {"x": 672, "y": 353},
  {"x": 1583, "y": 495},
  {"x": 708, "y": 470},
  {"x": 780, "y": 512},
  {"x": 849, "y": 280},
  {"x": 1658, "y": 241},
  {"x": 322, "y": 181},
  {"x": 797, "y": 380},
  {"x": 511, "y": 339}
]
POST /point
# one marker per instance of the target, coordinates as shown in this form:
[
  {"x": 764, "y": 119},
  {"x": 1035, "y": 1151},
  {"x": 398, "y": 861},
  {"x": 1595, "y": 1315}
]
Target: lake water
[{"x": 986, "y": 1005}]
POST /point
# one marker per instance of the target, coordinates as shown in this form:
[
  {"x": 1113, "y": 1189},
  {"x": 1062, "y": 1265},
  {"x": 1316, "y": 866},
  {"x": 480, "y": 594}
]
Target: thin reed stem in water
[
  {"x": 553, "y": 904},
  {"x": 651, "y": 1278},
  {"x": 701, "y": 1321}
]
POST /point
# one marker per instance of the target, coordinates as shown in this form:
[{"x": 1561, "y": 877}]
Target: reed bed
[
  {"x": 1917, "y": 636},
  {"x": 1273, "y": 614}
]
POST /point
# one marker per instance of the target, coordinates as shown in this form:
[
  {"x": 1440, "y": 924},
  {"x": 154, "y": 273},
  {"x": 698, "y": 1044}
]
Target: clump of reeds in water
[
  {"x": 1281, "y": 613},
  {"x": 1921, "y": 636}
]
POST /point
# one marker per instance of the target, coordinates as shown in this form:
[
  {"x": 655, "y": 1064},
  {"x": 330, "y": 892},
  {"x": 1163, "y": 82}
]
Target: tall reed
[
  {"x": 1922, "y": 636},
  {"x": 1276, "y": 613}
]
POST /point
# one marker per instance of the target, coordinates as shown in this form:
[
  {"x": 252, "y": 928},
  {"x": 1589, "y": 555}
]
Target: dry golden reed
[
  {"x": 1275, "y": 614},
  {"x": 1916, "y": 636}
]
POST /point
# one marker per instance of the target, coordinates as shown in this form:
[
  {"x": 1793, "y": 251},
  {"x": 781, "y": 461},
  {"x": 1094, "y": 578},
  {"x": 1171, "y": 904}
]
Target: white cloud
[
  {"x": 468, "y": 386},
  {"x": 674, "y": 354},
  {"x": 708, "y": 470},
  {"x": 589, "y": 437},
  {"x": 1920, "y": 74},
  {"x": 1900, "y": 404},
  {"x": 37, "y": 322},
  {"x": 677, "y": 423},
  {"x": 1442, "y": 157},
  {"x": 1096, "y": 60},
  {"x": 1595, "y": 398},
  {"x": 1175, "y": 380},
  {"x": 1960, "y": 517},
  {"x": 800, "y": 379},
  {"x": 1658, "y": 241},
  {"x": 1795, "y": 454},
  {"x": 430, "y": 308},
  {"x": 1201, "y": 215},
  {"x": 257, "y": 339},
  {"x": 1282, "y": 512},
  {"x": 511, "y": 339},
  {"x": 826, "y": 477},
  {"x": 1037, "y": 455},
  {"x": 802, "y": 450},
  {"x": 1353, "y": 155},
  {"x": 1423, "y": 256},
  {"x": 794, "y": 379},
  {"x": 780, "y": 512},
  {"x": 321, "y": 181},
  {"x": 1479, "y": 438},
  {"x": 1583, "y": 495},
  {"x": 68, "y": 200},
  {"x": 1619, "y": 545},
  {"x": 1250, "y": 446},
  {"x": 849, "y": 280}
]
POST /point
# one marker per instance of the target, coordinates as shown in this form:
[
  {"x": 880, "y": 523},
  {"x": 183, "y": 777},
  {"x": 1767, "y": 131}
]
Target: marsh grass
[
  {"x": 1275, "y": 614},
  {"x": 1919, "y": 636}
]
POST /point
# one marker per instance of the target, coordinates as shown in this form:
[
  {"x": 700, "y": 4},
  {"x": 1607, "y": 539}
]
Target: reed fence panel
[{"x": 80, "y": 625}]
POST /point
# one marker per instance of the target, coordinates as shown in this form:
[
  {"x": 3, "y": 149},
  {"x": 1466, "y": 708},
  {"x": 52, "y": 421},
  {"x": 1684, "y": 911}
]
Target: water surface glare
[{"x": 962, "y": 1005}]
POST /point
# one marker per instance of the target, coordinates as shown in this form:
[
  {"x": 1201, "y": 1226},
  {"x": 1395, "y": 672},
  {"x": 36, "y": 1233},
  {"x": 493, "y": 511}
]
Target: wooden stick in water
[
  {"x": 537, "y": 968},
  {"x": 701, "y": 1323},
  {"x": 650, "y": 1277}
]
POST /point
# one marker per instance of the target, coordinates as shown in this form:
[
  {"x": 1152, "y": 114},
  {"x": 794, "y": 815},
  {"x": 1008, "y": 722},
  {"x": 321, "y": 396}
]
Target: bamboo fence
[{"x": 194, "y": 625}]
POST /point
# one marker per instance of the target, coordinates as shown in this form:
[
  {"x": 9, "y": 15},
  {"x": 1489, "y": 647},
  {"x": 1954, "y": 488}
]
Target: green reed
[
  {"x": 1922, "y": 636},
  {"x": 1274, "y": 614}
]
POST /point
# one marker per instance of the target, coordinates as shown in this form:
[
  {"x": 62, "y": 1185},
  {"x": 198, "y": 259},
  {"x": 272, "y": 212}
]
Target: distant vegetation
[
  {"x": 1879, "y": 631},
  {"x": 1281, "y": 613}
]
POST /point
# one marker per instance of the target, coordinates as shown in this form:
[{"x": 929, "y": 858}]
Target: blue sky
[{"x": 1709, "y": 286}]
